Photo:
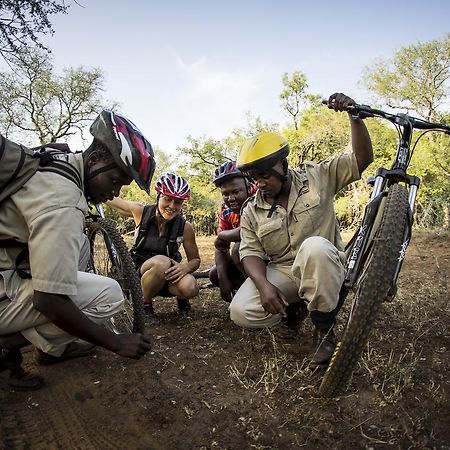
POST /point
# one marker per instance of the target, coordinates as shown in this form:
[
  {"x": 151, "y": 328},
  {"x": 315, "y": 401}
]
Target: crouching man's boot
[
  {"x": 326, "y": 342},
  {"x": 183, "y": 304},
  {"x": 13, "y": 376}
]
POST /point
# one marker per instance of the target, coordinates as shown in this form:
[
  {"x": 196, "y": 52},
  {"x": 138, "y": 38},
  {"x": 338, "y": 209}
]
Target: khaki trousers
[
  {"x": 316, "y": 276},
  {"x": 99, "y": 298}
]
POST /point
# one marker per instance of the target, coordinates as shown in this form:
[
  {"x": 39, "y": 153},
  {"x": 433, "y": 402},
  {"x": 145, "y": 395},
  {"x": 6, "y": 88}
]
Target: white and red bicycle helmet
[
  {"x": 173, "y": 186},
  {"x": 131, "y": 151}
]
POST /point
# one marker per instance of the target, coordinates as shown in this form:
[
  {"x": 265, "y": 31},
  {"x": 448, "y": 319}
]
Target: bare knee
[
  {"x": 190, "y": 289},
  {"x": 156, "y": 265}
]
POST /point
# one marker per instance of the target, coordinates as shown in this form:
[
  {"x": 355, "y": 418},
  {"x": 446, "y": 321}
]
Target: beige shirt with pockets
[
  {"x": 310, "y": 211},
  {"x": 47, "y": 212}
]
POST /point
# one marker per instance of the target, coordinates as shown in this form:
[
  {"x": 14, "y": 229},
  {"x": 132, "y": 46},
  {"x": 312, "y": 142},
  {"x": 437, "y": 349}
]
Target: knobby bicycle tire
[
  {"x": 372, "y": 289},
  {"x": 131, "y": 318}
]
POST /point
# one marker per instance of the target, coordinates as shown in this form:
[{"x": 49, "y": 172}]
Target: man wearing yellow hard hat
[{"x": 291, "y": 219}]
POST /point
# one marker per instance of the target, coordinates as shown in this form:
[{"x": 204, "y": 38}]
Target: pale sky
[{"x": 182, "y": 68}]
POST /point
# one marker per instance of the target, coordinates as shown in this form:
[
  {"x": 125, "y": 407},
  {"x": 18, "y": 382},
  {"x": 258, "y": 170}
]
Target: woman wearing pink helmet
[{"x": 160, "y": 230}]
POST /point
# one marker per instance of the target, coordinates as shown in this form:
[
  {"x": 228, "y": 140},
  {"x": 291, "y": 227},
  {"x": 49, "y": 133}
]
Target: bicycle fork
[{"x": 362, "y": 239}]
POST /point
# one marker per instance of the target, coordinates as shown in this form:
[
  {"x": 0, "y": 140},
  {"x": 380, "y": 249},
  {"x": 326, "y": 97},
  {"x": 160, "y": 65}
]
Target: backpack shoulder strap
[
  {"x": 147, "y": 215},
  {"x": 54, "y": 158},
  {"x": 63, "y": 168},
  {"x": 175, "y": 234}
]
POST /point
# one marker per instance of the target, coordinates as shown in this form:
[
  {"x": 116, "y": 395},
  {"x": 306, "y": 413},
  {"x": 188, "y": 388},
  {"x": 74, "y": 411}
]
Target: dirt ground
[{"x": 208, "y": 384}]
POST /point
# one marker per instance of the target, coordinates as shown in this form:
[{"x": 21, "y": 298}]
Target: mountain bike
[
  {"x": 110, "y": 257},
  {"x": 376, "y": 251}
]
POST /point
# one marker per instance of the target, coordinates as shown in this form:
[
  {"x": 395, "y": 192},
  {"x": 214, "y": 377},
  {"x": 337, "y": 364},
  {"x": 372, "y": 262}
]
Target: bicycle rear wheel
[
  {"x": 115, "y": 262},
  {"x": 372, "y": 288}
]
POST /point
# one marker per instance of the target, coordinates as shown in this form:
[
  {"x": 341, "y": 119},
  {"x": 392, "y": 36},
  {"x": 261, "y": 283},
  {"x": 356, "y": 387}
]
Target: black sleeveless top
[{"x": 149, "y": 243}]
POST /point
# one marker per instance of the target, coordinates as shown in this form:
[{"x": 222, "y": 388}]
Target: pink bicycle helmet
[
  {"x": 129, "y": 148},
  {"x": 173, "y": 186},
  {"x": 226, "y": 171}
]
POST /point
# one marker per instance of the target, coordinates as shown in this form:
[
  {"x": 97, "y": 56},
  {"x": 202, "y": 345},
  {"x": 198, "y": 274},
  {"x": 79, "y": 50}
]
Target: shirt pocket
[
  {"x": 272, "y": 237},
  {"x": 307, "y": 213}
]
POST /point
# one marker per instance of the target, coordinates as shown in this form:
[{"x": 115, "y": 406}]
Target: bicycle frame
[{"x": 384, "y": 178}]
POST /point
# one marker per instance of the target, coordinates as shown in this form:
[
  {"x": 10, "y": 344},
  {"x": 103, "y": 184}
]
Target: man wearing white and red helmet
[
  {"x": 46, "y": 298},
  {"x": 160, "y": 230}
]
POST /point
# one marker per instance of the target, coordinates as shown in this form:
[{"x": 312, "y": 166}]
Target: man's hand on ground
[{"x": 132, "y": 345}]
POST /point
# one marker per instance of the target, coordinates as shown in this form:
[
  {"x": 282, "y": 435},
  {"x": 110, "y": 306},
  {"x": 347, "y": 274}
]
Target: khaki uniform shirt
[
  {"x": 310, "y": 212},
  {"x": 47, "y": 212}
]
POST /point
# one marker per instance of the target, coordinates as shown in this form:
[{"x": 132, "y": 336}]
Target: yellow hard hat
[{"x": 262, "y": 151}]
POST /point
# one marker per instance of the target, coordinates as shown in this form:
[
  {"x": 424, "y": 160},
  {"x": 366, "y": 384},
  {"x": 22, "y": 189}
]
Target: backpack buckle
[{"x": 45, "y": 158}]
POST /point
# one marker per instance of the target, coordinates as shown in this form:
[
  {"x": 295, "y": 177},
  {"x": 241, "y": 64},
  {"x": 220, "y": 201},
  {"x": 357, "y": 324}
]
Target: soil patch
[{"x": 209, "y": 384}]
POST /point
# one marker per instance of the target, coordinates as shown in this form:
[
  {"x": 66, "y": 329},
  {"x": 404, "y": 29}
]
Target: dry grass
[{"x": 398, "y": 396}]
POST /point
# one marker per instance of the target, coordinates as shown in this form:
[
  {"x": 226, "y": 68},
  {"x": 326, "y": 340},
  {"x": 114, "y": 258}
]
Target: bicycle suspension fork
[
  {"x": 361, "y": 240},
  {"x": 413, "y": 183}
]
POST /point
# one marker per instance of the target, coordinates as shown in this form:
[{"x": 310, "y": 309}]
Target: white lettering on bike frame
[
  {"x": 357, "y": 247},
  {"x": 403, "y": 250}
]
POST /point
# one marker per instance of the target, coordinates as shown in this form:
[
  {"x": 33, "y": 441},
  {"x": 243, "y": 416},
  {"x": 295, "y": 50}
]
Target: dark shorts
[{"x": 164, "y": 292}]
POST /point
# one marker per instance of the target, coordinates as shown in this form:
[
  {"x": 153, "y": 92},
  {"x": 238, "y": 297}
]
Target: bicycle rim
[
  {"x": 117, "y": 264},
  {"x": 372, "y": 289}
]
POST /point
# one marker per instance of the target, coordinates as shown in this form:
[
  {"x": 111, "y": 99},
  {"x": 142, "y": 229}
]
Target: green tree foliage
[
  {"x": 415, "y": 78},
  {"x": 203, "y": 156},
  {"x": 294, "y": 96},
  {"x": 22, "y": 21},
  {"x": 35, "y": 101},
  {"x": 322, "y": 134},
  {"x": 431, "y": 163}
]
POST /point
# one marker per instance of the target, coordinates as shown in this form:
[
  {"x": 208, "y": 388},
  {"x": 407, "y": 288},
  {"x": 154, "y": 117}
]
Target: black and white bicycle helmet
[
  {"x": 226, "y": 171},
  {"x": 173, "y": 186},
  {"x": 131, "y": 151}
]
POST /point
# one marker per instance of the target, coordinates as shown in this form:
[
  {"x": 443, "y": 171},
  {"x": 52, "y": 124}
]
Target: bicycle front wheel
[
  {"x": 372, "y": 289},
  {"x": 110, "y": 258}
]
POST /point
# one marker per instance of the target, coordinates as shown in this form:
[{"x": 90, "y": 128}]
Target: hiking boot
[
  {"x": 150, "y": 315},
  {"x": 284, "y": 332},
  {"x": 148, "y": 309},
  {"x": 288, "y": 328},
  {"x": 296, "y": 313},
  {"x": 184, "y": 305},
  {"x": 17, "y": 379},
  {"x": 326, "y": 344},
  {"x": 73, "y": 350},
  {"x": 13, "y": 376}
]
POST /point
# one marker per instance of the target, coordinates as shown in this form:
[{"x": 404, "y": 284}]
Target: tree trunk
[{"x": 446, "y": 223}]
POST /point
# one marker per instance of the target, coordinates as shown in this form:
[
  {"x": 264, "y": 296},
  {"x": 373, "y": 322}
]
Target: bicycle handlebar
[{"x": 365, "y": 111}]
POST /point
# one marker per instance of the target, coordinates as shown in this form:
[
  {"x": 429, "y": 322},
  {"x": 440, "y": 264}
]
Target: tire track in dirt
[
  {"x": 56, "y": 423},
  {"x": 58, "y": 416}
]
